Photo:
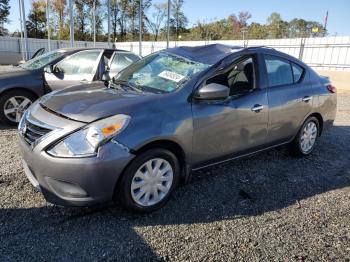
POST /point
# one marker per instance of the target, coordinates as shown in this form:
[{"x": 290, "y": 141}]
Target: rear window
[{"x": 282, "y": 72}]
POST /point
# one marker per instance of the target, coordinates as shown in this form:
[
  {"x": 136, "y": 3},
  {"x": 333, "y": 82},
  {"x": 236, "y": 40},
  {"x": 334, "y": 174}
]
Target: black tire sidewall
[
  {"x": 311, "y": 119},
  {"x": 123, "y": 192},
  {"x": 7, "y": 96}
]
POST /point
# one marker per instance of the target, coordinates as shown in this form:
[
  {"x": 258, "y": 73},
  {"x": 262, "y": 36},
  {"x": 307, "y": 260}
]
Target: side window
[
  {"x": 239, "y": 78},
  {"x": 297, "y": 72},
  {"x": 121, "y": 60},
  {"x": 279, "y": 71},
  {"x": 82, "y": 62}
]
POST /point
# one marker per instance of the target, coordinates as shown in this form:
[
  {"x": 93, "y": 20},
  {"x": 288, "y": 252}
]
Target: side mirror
[
  {"x": 213, "y": 91},
  {"x": 49, "y": 69}
]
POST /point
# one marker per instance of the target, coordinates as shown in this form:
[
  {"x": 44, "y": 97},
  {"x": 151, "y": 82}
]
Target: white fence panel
[{"x": 326, "y": 53}]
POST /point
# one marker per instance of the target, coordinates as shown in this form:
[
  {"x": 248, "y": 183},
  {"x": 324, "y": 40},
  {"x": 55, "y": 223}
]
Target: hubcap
[
  {"x": 308, "y": 137},
  {"x": 15, "y": 106},
  {"x": 152, "y": 182}
]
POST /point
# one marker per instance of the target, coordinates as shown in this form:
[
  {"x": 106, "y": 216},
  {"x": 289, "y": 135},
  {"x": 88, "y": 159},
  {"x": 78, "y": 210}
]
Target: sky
[{"x": 208, "y": 10}]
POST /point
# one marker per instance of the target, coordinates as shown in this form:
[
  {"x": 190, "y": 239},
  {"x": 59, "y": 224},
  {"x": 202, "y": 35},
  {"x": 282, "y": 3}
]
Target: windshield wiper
[
  {"x": 137, "y": 88},
  {"x": 121, "y": 84},
  {"x": 116, "y": 86}
]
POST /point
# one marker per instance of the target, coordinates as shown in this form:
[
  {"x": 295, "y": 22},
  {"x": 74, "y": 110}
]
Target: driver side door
[
  {"x": 234, "y": 126},
  {"x": 77, "y": 68}
]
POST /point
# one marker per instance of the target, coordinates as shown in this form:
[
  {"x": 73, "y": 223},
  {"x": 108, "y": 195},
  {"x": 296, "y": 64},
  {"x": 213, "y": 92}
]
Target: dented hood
[{"x": 89, "y": 102}]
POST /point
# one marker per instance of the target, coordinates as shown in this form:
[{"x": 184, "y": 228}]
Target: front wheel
[
  {"x": 305, "y": 141},
  {"x": 13, "y": 104},
  {"x": 149, "y": 181}
]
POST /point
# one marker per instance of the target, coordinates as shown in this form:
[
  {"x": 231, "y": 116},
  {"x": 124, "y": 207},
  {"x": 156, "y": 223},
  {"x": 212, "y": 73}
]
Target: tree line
[{"x": 124, "y": 15}]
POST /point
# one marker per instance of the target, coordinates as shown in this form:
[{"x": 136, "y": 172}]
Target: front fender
[{"x": 172, "y": 124}]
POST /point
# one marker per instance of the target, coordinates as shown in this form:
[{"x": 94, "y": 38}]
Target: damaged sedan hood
[{"x": 87, "y": 103}]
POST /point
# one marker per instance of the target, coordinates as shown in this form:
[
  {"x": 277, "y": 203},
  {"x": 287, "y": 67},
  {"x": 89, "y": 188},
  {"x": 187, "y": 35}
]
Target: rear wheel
[
  {"x": 13, "y": 104},
  {"x": 305, "y": 141},
  {"x": 149, "y": 181}
]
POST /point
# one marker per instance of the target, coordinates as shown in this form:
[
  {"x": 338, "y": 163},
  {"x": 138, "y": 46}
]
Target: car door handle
[
  {"x": 306, "y": 98},
  {"x": 257, "y": 108}
]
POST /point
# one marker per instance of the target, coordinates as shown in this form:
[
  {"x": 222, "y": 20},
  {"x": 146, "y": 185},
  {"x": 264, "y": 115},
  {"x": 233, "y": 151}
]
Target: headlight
[
  {"x": 86, "y": 141},
  {"x": 22, "y": 121}
]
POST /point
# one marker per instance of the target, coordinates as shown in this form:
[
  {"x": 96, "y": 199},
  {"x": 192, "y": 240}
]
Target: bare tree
[
  {"x": 157, "y": 21},
  {"x": 132, "y": 9},
  {"x": 114, "y": 5},
  {"x": 123, "y": 9}
]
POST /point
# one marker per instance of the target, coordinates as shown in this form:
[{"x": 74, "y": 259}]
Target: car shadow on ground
[
  {"x": 7, "y": 127},
  {"x": 269, "y": 181}
]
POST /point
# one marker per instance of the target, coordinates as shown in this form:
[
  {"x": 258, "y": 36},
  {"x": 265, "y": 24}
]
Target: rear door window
[
  {"x": 279, "y": 71},
  {"x": 298, "y": 72}
]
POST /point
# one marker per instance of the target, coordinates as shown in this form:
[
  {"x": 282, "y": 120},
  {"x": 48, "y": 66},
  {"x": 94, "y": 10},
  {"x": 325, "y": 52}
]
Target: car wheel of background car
[
  {"x": 305, "y": 141},
  {"x": 149, "y": 180},
  {"x": 13, "y": 104}
]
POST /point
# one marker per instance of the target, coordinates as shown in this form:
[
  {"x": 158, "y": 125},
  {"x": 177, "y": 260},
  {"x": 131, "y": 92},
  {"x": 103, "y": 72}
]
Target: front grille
[{"x": 33, "y": 132}]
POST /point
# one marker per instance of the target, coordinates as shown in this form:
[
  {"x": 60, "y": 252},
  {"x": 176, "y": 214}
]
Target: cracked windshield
[{"x": 160, "y": 73}]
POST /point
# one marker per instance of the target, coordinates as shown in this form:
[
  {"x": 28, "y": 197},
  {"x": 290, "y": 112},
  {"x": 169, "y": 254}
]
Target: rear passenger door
[{"x": 289, "y": 97}]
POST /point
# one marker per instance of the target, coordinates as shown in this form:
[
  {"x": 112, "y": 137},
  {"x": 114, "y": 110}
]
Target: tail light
[{"x": 331, "y": 88}]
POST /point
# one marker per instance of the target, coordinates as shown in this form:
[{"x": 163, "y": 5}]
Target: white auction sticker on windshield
[{"x": 171, "y": 76}]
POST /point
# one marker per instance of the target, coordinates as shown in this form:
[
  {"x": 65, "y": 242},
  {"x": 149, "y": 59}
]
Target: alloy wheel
[{"x": 15, "y": 106}]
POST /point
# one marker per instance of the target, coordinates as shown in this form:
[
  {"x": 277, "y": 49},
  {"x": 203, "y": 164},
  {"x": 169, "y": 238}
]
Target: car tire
[
  {"x": 305, "y": 141},
  {"x": 23, "y": 100},
  {"x": 128, "y": 188}
]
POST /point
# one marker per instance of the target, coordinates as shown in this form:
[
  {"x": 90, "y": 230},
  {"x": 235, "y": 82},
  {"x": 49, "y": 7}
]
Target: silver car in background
[
  {"x": 172, "y": 112},
  {"x": 56, "y": 70}
]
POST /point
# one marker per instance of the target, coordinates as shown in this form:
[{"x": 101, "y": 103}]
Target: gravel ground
[{"x": 269, "y": 207}]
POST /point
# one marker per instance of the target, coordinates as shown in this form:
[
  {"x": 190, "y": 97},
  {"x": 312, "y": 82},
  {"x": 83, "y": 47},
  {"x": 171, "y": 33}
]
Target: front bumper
[
  {"x": 69, "y": 181},
  {"x": 75, "y": 181}
]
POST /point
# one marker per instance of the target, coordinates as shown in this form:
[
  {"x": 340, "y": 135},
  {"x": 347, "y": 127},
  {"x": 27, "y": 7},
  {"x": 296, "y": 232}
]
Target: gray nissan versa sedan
[{"x": 172, "y": 112}]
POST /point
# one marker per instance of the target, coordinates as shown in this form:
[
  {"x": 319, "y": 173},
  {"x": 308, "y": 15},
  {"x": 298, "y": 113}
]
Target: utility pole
[
  {"x": 24, "y": 30},
  {"x": 48, "y": 24},
  {"x": 244, "y": 30},
  {"x": 109, "y": 22},
  {"x": 325, "y": 25},
  {"x": 21, "y": 25},
  {"x": 71, "y": 23},
  {"x": 140, "y": 28},
  {"x": 94, "y": 21},
  {"x": 168, "y": 25}
]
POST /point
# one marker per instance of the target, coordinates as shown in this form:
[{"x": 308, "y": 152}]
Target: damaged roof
[{"x": 208, "y": 54}]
